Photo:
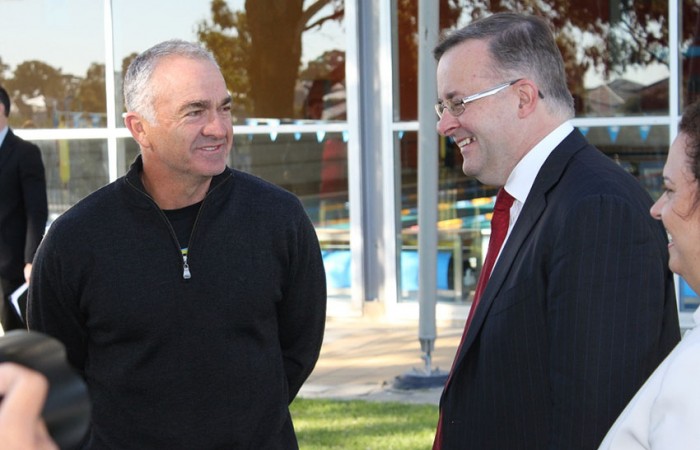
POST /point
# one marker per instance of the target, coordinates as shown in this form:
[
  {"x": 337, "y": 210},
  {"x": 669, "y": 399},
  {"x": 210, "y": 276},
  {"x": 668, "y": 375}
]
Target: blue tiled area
[
  {"x": 337, "y": 264},
  {"x": 688, "y": 300}
]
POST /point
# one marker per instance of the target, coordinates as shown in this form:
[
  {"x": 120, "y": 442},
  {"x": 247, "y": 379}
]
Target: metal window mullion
[
  {"x": 370, "y": 156},
  {"x": 391, "y": 175},
  {"x": 675, "y": 69},
  {"x": 428, "y": 25},
  {"x": 354, "y": 155},
  {"x": 112, "y": 151}
]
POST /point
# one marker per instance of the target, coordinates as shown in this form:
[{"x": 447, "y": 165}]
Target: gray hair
[
  {"x": 520, "y": 45},
  {"x": 138, "y": 94}
]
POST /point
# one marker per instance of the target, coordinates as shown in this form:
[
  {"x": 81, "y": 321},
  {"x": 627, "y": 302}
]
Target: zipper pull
[{"x": 185, "y": 268}]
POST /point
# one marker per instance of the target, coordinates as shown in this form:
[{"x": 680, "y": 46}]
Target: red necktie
[{"x": 499, "y": 228}]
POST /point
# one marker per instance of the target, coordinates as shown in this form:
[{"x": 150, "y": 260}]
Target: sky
[{"x": 62, "y": 33}]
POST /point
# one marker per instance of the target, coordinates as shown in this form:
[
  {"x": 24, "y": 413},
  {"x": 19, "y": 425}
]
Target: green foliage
[
  {"x": 90, "y": 96},
  {"x": 363, "y": 425}
]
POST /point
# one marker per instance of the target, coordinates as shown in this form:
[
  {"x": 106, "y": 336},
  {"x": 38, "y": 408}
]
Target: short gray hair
[
  {"x": 138, "y": 94},
  {"x": 520, "y": 45}
]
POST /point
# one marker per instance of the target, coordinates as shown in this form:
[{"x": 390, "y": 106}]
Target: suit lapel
[{"x": 534, "y": 206}]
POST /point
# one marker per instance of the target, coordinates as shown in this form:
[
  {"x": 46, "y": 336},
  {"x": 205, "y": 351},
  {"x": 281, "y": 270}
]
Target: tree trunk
[{"x": 275, "y": 55}]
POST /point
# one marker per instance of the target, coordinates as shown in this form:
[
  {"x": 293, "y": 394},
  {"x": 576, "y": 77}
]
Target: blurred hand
[{"x": 24, "y": 392}]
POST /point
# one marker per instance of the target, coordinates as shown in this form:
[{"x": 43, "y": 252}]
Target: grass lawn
[{"x": 363, "y": 425}]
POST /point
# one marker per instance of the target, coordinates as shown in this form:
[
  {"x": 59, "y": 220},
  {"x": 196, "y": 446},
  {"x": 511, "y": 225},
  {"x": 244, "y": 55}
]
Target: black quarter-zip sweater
[{"x": 206, "y": 362}]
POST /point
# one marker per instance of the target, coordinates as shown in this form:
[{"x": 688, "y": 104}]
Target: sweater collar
[{"x": 134, "y": 175}]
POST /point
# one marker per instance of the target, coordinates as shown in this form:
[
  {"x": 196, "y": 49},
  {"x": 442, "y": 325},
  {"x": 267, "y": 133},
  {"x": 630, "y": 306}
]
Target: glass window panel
[
  {"x": 690, "y": 52},
  {"x": 464, "y": 211},
  {"x": 127, "y": 150},
  {"x": 311, "y": 165},
  {"x": 314, "y": 167},
  {"x": 616, "y": 53},
  {"x": 406, "y": 61},
  {"x": 616, "y": 56},
  {"x": 688, "y": 300},
  {"x": 53, "y": 69},
  {"x": 74, "y": 169},
  {"x": 640, "y": 149},
  {"x": 302, "y": 79},
  {"x": 406, "y": 51}
]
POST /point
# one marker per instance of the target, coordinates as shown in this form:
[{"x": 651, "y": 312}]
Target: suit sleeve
[
  {"x": 302, "y": 313},
  {"x": 33, "y": 179},
  {"x": 609, "y": 288}
]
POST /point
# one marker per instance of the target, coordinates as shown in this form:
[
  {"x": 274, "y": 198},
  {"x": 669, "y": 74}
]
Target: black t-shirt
[{"x": 182, "y": 221}]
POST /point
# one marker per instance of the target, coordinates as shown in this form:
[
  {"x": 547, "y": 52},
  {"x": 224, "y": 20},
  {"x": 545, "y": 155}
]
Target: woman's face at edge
[{"x": 679, "y": 211}]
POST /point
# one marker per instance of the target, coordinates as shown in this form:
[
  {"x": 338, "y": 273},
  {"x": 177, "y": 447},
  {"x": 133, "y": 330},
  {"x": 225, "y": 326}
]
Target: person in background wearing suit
[
  {"x": 580, "y": 306},
  {"x": 23, "y": 212},
  {"x": 190, "y": 296},
  {"x": 665, "y": 413}
]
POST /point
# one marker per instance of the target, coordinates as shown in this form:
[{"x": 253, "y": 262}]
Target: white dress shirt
[{"x": 523, "y": 176}]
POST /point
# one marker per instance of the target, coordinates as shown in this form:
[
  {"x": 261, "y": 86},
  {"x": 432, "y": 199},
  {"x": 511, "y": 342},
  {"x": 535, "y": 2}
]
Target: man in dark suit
[
  {"x": 580, "y": 306},
  {"x": 23, "y": 212}
]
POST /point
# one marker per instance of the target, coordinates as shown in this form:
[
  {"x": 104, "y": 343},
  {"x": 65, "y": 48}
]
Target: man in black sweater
[{"x": 191, "y": 296}]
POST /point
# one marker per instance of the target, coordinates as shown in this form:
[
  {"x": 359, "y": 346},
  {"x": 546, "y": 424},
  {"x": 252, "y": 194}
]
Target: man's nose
[
  {"x": 217, "y": 124},
  {"x": 446, "y": 124}
]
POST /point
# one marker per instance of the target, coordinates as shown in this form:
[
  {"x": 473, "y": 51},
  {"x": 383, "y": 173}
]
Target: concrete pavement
[{"x": 361, "y": 357}]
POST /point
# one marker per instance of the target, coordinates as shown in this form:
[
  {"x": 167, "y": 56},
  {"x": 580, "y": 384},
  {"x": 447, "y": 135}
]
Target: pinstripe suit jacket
[{"x": 578, "y": 312}]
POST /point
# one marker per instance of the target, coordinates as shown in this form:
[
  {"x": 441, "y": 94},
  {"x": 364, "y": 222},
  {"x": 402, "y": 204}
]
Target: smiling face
[
  {"x": 190, "y": 139},
  {"x": 677, "y": 208},
  {"x": 483, "y": 131}
]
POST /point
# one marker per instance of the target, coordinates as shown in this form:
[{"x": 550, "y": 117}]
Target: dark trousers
[{"x": 9, "y": 319}]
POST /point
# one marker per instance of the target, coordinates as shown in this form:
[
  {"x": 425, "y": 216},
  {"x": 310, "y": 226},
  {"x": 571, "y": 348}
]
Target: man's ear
[
  {"x": 528, "y": 97},
  {"x": 138, "y": 128}
]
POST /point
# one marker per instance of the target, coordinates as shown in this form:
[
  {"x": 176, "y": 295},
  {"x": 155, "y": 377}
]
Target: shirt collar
[
  {"x": 3, "y": 133},
  {"x": 523, "y": 175}
]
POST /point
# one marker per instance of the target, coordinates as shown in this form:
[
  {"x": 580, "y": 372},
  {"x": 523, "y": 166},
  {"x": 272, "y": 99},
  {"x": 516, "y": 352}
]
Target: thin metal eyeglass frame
[{"x": 458, "y": 107}]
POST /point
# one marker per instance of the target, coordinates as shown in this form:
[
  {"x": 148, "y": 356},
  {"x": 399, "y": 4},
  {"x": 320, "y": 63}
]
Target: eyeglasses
[{"x": 457, "y": 107}]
